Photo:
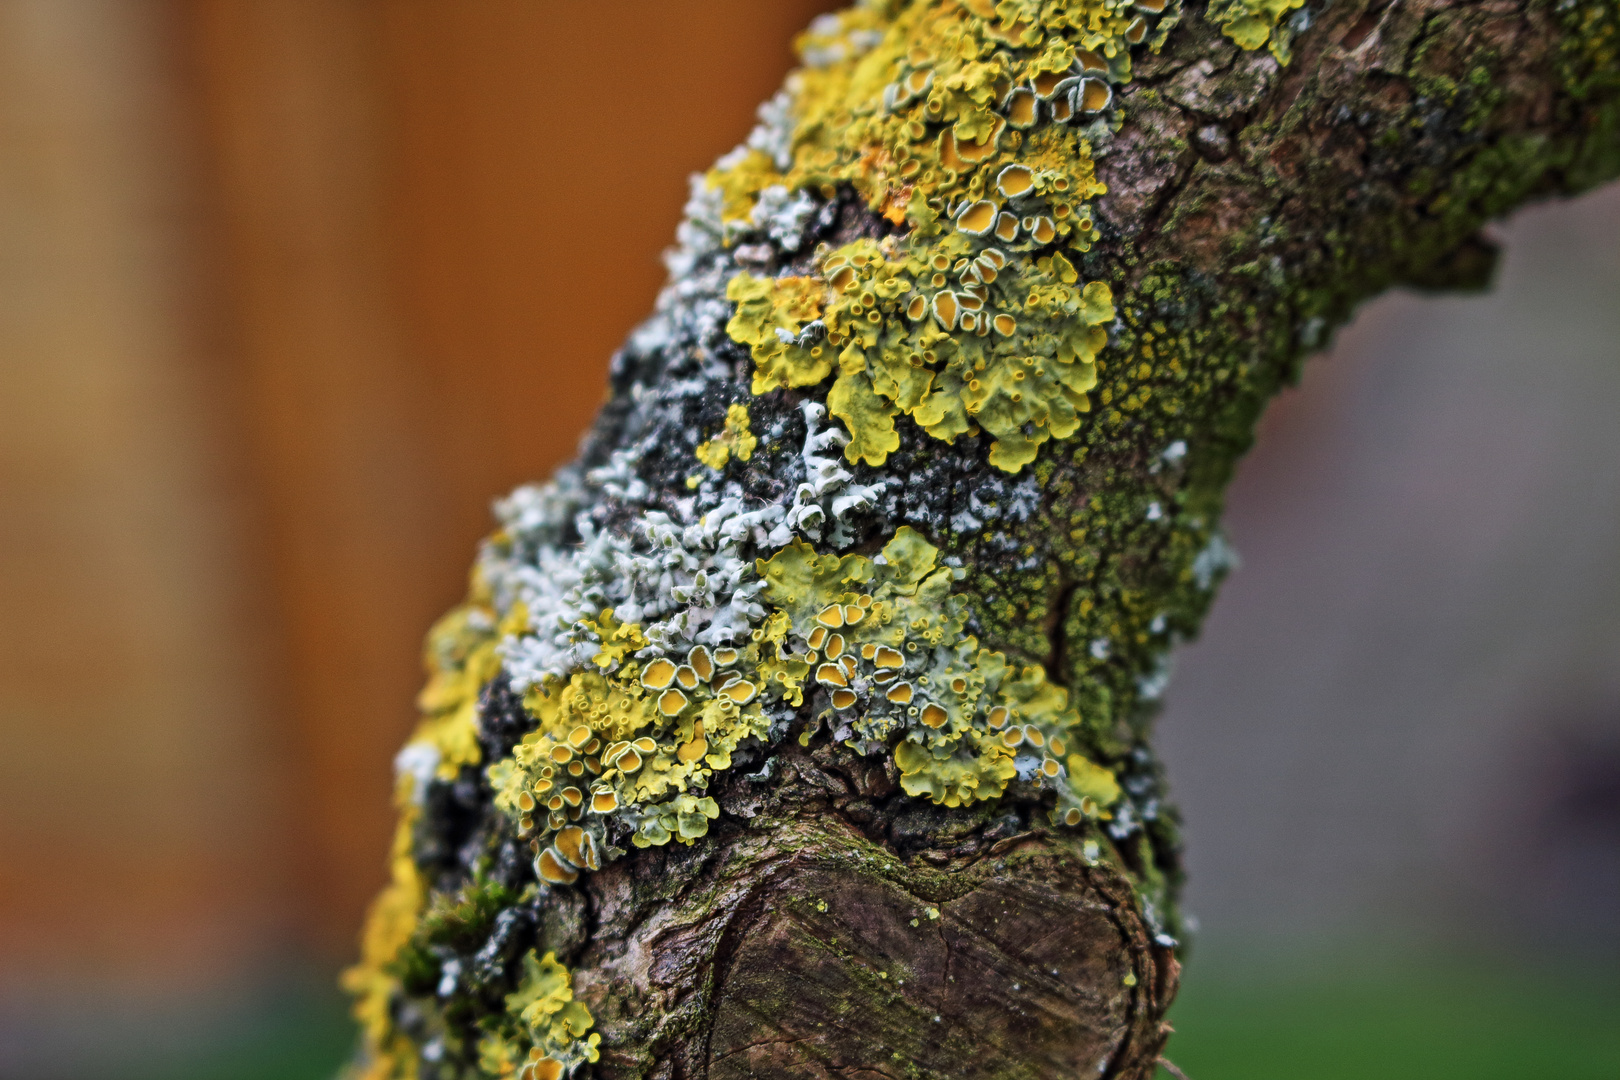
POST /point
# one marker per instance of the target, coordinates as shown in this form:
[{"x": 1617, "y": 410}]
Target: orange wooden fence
[{"x": 292, "y": 289}]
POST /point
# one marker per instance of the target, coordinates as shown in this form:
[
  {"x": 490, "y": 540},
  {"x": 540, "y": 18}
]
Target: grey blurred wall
[{"x": 1402, "y": 721}]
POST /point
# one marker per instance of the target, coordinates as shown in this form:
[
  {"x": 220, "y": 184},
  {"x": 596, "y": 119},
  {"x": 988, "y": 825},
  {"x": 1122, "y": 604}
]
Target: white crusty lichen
[{"x": 684, "y": 582}]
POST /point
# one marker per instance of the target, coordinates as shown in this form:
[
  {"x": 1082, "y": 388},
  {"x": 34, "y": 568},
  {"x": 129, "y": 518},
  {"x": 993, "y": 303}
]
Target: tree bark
[{"x": 839, "y": 909}]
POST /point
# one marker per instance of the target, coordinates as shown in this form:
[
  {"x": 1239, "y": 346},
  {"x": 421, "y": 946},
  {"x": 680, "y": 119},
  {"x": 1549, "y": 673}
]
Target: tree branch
[{"x": 801, "y": 727}]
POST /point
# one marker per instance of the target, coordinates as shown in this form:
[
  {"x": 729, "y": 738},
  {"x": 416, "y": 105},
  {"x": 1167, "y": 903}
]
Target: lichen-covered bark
[{"x": 893, "y": 809}]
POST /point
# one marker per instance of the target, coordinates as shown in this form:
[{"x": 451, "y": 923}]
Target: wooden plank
[
  {"x": 138, "y": 841},
  {"x": 337, "y": 413}
]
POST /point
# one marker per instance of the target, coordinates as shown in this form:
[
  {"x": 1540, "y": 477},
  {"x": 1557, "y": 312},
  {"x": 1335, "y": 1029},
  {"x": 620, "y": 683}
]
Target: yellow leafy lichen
[
  {"x": 870, "y": 419},
  {"x": 768, "y": 305},
  {"x": 883, "y": 640},
  {"x": 556, "y": 1023},
  {"x": 957, "y": 125},
  {"x": 979, "y": 770},
  {"x": 460, "y": 658},
  {"x": 741, "y": 182},
  {"x": 1253, "y": 23},
  {"x": 499, "y": 1057},
  {"x": 631, "y": 745},
  {"x": 1092, "y": 781},
  {"x": 616, "y": 640},
  {"x": 389, "y": 925},
  {"x": 734, "y": 439}
]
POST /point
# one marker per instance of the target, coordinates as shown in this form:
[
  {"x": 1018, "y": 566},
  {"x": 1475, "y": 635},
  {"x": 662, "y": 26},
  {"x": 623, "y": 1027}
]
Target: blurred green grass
[
  {"x": 297, "y": 1032},
  {"x": 1324, "y": 1019},
  {"x": 1391, "y": 1020}
]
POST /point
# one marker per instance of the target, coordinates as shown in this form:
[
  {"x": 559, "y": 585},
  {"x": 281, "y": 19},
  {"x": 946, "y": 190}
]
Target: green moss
[{"x": 460, "y": 923}]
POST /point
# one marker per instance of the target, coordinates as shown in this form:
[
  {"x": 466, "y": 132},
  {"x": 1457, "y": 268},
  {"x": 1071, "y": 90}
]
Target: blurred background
[{"x": 291, "y": 289}]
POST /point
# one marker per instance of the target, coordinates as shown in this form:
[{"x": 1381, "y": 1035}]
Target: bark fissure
[{"x": 1365, "y": 26}]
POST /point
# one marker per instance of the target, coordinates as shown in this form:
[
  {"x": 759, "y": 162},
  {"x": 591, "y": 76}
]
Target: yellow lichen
[
  {"x": 616, "y": 640},
  {"x": 460, "y": 658},
  {"x": 766, "y": 305},
  {"x": 870, "y": 419},
  {"x": 499, "y": 1057},
  {"x": 1091, "y": 781},
  {"x": 389, "y": 925},
  {"x": 734, "y": 438},
  {"x": 556, "y": 1023},
  {"x": 974, "y": 318},
  {"x": 1253, "y": 23},
  {"x": 885, "y": 638},
  {"x": 631, "y": 745},
  {"x": 741, "y": 183}
]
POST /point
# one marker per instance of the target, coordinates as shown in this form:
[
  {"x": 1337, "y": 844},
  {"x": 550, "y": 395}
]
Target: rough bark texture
[
  {"x": 805, "y": 943},
  {"x": 829, "y": 924}
]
